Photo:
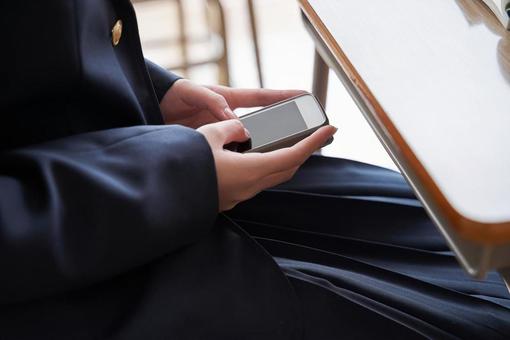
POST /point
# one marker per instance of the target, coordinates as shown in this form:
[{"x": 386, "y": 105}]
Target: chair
[{"x": 215, "y": 39}]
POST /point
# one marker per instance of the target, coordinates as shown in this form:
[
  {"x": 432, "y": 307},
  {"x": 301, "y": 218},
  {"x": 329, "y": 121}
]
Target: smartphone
[{"x": 282, "y": 124}]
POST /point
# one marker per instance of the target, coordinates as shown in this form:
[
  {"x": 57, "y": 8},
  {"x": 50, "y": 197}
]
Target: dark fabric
[
  {"x": 161, "y": 79},
  {"x": 365, "y": 259},
  {"x": 78, "y": 206},
  {"x": 87, "y": 207},
  {"x": 61, "y": 74},
  {"x": 221, "y": 287},
  {"x": 109, "y": 225},
  {"x": 108, "y": 220}
]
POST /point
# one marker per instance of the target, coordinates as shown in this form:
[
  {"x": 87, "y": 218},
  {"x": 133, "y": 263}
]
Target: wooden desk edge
[{"x": 486, "y": 233}]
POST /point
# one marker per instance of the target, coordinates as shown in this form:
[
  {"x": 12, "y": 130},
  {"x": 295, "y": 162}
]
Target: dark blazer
[{"x": 108, "y": 219}]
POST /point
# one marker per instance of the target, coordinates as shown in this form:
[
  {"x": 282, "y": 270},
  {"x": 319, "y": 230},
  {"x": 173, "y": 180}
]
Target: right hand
[{"x": 242, "y": 176}]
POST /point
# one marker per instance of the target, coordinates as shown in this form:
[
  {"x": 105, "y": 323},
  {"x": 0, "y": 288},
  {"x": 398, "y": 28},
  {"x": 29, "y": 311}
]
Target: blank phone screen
[{"x": 274, "y": 124}]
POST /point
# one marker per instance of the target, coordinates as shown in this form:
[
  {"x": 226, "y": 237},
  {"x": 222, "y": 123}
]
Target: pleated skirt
[{"x": 366, "y": 261}]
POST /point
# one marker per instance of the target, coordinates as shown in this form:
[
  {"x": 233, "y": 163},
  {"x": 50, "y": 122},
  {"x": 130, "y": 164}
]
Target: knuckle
[
  {"x": 237, "y": 123},
  {"x": 229, "y": 126},
  {"x": 219, "y": 99}
]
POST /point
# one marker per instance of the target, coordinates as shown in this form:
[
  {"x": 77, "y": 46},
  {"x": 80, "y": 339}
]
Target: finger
[
  {"x": 227, "y": 131},
  {"x": 259, "y": 97},
  {"x": 287, "y": 158},
  {"x": 204, "y": 98},
  {"x": 218, "y": 106}
]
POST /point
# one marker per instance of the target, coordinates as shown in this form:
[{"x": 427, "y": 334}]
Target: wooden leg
[
  {"x": 223, "y": 62},
  {"x": 254, "y": 36},
  {"x": 320, "y": 79},
  {"x": 183, "y": 37}
]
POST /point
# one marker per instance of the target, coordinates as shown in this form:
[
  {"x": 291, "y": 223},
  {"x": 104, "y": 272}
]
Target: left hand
[{"x": 192, "y": 105}]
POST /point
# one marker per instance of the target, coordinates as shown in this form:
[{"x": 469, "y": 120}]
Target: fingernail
[
  {"x": 336, "y": 129},
  {"x": 247, "y": 132},
  {"x": 229, "y": 113}
]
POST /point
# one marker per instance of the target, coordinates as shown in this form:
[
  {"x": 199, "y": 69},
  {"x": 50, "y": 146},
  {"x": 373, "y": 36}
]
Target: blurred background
[{"x": 217, "y": 42}]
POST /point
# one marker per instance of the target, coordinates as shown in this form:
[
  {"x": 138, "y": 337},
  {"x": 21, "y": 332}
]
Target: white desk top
[{"x": 440, "y": 69}]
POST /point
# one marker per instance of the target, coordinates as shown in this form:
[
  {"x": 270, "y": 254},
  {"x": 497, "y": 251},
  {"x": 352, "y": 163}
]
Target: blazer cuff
[{"x": 161, "y": 79}]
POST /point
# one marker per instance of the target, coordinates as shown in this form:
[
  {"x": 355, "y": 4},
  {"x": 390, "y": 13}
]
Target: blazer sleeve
[
  {"x": 88, "y": 207},
  {"x": 162, "y": 79}
]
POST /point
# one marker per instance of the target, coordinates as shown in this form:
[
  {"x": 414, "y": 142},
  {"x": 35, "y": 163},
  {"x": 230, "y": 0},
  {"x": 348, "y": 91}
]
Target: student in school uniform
[{"x": 122, "y": 216}]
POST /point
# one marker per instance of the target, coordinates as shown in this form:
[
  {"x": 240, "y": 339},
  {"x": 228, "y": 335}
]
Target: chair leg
[
  {"x": 254, "y": 35},
  {"x": 223, "y": 62},
  {"x": 183, "y": 37}
]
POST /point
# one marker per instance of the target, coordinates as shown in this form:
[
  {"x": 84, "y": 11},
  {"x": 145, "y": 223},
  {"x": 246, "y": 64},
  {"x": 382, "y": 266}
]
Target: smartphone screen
[{"x": 273, "y": 124}]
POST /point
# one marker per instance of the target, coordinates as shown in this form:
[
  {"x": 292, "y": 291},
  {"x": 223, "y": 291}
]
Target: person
[{"x": 122, "y": 216}]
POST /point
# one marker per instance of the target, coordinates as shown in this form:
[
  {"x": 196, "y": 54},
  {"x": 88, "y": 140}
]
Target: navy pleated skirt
[{"x": 366, "y": 261}]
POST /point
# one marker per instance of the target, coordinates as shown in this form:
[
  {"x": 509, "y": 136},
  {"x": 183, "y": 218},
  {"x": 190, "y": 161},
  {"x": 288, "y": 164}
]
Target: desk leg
[{"x": 320, "y": 78}]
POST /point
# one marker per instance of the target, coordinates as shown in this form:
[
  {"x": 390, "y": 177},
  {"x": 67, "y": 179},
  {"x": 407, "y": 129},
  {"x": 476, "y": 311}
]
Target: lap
[
  {"x": 347, "y": 199},
  {"x": 354, "y": 237},
  {"x": 354, "y": 256}
]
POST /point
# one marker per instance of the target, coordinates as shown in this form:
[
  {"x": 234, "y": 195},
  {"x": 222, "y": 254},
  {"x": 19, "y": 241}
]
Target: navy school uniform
[{"x": 109, "y": 224}]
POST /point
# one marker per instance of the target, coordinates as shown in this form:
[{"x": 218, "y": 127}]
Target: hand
[
  {"x": 192, "y": 105},
  {"x": 242, "y": 176}
]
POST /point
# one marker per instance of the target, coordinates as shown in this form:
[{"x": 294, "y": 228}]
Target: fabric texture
[
  {"x": 365, "y": 259},
  {"x": 109, "y": 224},
  {"x": 81, "y": 209},
  {"x": 108, "y": 219},
  {"x": 161, "y": 79}
]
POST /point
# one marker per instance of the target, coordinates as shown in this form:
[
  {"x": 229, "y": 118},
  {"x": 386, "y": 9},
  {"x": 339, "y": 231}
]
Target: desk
[{"x": 432, "y": 79}]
